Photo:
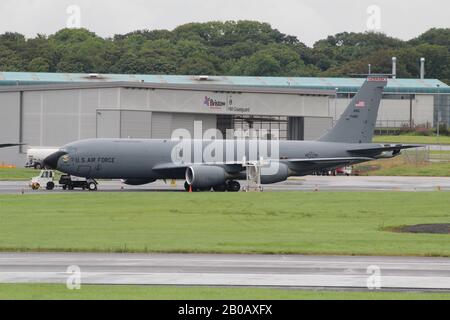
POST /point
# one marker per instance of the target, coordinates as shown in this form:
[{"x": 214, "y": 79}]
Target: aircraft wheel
[{"x": 234, "y": 186}]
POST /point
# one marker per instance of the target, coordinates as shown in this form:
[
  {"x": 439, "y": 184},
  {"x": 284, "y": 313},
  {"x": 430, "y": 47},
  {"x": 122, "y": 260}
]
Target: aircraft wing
[
  {"x": 175, "y": 166},
  {"x": 331, "y": 161},
  {"x": 237, "y": 166}
]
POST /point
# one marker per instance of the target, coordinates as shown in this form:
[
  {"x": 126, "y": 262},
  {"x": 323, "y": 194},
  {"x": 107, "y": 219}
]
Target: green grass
[
  {"x": 17, "y": 174},
  {"x": 108, "y": 292},
  {"x": 411, "y": 139},
  {"x": 291, "y": 222},
  {"x": 439, "y": 152},
  {"x": 411, "y": 170}
]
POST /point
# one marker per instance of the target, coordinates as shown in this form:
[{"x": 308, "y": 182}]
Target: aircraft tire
[{"x": 233, "y": 186}]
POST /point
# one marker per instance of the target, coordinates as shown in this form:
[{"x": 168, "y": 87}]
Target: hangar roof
[{"x": 344, "y": 85}]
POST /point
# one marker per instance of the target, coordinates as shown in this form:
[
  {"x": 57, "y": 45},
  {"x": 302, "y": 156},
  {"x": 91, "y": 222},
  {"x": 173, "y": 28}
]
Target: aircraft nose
[{"x": 52, "y": 160}]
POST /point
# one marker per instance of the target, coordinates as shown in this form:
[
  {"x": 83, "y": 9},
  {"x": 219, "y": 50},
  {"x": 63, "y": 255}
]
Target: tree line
[{"x": 240, "y": 48}]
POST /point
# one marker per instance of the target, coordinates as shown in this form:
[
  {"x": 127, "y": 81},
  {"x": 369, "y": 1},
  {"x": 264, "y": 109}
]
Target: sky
[{"x": 309, "y": 20}]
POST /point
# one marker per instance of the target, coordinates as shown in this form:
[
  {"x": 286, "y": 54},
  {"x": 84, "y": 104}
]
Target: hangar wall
[
  {"x": 176, "y": 101},
  {"x": 316, "y": 127},
  {"x": 9, "y": 125},
  {"x": 56, "y": 117},
  {"x": 53, "y": 117},
  {"x": 395, "y": 112}
]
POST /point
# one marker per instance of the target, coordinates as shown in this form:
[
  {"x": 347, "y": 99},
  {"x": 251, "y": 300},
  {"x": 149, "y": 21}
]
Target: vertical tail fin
[{"x": 357, "y": 123}]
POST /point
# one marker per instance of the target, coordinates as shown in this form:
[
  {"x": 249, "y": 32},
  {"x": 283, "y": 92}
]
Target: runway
[
  {"x": 289, "y": 271},
  {"x": 309, "y": 183}
]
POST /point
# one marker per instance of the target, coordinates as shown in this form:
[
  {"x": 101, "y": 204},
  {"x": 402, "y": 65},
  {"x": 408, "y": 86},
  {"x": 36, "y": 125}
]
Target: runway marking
[
  {"x": 319, "y": 271},
  {"x": 223, "y": 279}
]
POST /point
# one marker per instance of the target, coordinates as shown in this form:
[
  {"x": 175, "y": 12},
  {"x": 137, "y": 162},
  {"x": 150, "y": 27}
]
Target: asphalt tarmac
[
  {"x": 309, "y": 183},
  {"x": 288, "y": 271}
]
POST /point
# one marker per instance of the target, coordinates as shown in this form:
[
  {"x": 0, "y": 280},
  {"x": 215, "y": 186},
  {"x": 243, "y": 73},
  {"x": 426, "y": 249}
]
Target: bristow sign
[{"x": 214, "y": 104}]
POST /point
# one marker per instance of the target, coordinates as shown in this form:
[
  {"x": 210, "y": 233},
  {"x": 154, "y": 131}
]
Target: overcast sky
[{"x": 309, "y": 20}]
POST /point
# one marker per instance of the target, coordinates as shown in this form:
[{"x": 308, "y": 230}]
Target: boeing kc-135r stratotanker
[{"x": 142, "y": 161}]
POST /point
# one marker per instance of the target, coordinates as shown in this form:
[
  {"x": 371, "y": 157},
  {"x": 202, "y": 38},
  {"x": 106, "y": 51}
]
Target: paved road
[
  {"x": 228, "y": 270},
  {"x": 309, "y": 183}
]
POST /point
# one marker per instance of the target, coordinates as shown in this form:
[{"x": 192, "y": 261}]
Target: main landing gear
[{"x": 230, "y": 186}]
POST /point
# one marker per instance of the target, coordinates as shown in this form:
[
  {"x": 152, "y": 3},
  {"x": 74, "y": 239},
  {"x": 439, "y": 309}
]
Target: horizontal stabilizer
[
  {"x": 329, "y": 160},
  {"x": 373, "y": 149},
  {"x": 7, "y": 145}
]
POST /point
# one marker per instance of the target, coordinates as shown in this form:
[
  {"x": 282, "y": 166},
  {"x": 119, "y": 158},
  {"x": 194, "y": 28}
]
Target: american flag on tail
[{"x": 360, "y": 104}]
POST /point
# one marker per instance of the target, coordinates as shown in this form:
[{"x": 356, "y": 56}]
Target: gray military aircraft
[{"x": 142, "y": 161}]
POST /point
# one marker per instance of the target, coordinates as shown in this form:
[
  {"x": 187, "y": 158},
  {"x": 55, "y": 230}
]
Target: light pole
[
  {"x": 438, "y": 112},
  {"x": 335, "y": 106}
]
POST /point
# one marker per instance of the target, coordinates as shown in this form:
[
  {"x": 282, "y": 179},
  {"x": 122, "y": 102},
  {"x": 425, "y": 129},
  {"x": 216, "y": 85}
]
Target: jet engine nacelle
[
  {"x": 137, "y": 182},
  {"x": 278, "y": 173},
  {"x": 389, "y": 154},
  {"x": 205, "y": 176}
]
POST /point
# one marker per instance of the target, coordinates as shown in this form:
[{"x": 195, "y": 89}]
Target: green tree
[
  {"x": 259, "y": 64},
  {"x": 39, "y": 65},
  {"x": 230, "y": 48},
  {"x": 434, "y": 36},
  {"x": 10, "y": 60}
]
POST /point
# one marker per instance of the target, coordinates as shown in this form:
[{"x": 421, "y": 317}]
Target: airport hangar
[{"x": 52, "y": 109}]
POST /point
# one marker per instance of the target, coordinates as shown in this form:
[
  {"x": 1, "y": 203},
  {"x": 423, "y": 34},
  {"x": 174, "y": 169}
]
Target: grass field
[
  {"x": 401, "y": 167},
  {"x": 17, "y": 174},
  {"x": 411, "y": 139},
  {"x": 426, "y": 170},
  {"x": 90, "y": 292},
  {"x": 291, "y": 222}
]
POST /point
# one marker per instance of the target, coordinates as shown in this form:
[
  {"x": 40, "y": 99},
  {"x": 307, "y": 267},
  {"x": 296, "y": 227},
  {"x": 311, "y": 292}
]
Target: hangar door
[
  {"x": 136, "y": 124},
  {"x": 308, "y": 128},
  {"x": 108, "y": 123},
  {"x": 124, "y": 124}
]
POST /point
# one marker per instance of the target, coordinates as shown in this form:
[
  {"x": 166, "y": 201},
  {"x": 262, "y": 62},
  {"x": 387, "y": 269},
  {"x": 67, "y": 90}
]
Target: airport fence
[{"x": 427, "y": 154}]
